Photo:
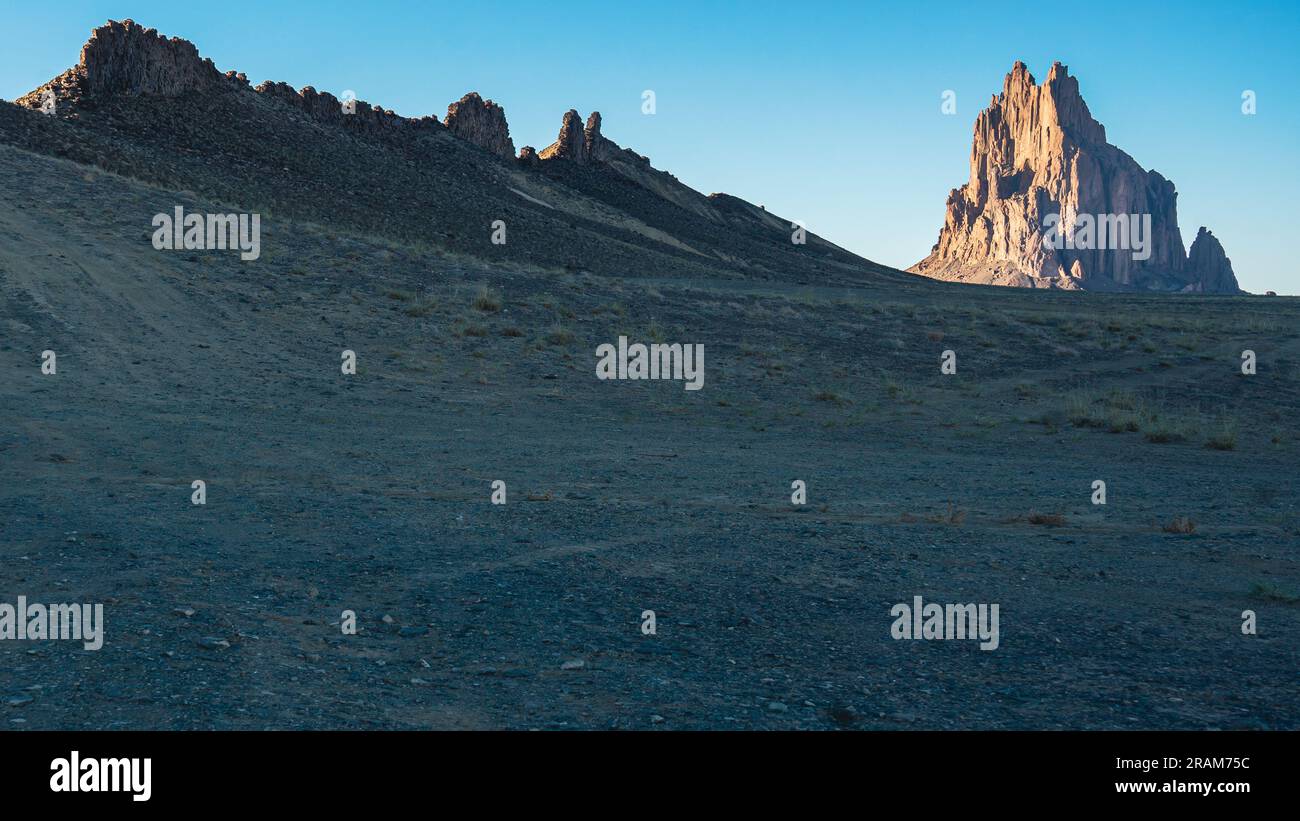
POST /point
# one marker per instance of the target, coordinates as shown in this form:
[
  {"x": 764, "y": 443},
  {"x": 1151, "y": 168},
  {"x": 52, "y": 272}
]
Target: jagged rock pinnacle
[
  {"x": 481, "y": 122},
  {"x": 1208, "y": 267},
  {"x": 1037, "y": 152},
  {"x": 571, "y": 144}
]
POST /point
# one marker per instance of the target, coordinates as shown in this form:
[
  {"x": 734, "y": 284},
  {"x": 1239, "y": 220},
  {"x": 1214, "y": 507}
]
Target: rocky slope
[
  {"x": 149, "y": 107},
  {"x": 371, "y": 492},
  {"x": 1039, "y": 156}
]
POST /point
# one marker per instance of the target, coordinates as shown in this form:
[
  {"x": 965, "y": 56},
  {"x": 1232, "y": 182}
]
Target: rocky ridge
[{"x": 148, "y": 107}]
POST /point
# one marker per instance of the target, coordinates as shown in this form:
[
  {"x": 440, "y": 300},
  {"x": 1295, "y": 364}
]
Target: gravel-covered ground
[{"x": 370, "y": 492}]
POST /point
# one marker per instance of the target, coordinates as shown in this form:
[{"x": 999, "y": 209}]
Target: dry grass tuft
[{"x": 487, "y": 300}]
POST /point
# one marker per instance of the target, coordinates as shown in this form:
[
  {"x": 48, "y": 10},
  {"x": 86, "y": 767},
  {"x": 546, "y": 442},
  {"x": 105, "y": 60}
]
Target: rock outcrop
[
  {"x": 358, "y": 115},
  {"x": 585, "y": 145},
  {"x": 481, "y": 122},
  {"x": 1038, "y": 161},
  {"x": 128, "y": 59},
  {"x": 598, "y": 148},
  {"x": 1208, "y": 267},
  {"x": 571, "y": 144}
]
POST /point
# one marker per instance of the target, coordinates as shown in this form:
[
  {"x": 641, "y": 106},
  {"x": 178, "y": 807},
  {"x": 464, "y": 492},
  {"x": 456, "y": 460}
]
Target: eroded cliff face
[
  {"x": 1038, "y": 161},
  {"x": 127, "y": 58},
  {"x": 481, "y": 122}
]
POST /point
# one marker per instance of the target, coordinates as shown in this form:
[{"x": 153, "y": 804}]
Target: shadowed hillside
[{"x": 140, "y": 105}]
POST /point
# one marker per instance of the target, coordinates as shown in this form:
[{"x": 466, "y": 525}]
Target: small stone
[
  {"x": 18, "y": 701},
  {"x": 185, "y": 611},
  {"x": 212, "y": 643},
  {"x": 656, "y": 719},
  {"x": 776, "y": 707},
  {"x": 575, "y": 664},
  {"x": 387, "y": 619}
]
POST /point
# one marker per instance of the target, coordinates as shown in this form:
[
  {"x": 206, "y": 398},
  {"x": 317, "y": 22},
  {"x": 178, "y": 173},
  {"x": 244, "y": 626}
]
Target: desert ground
[{"x": 371, "y": 492}]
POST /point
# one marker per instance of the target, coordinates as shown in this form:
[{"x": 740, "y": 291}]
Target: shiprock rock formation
[
  {"x": 151, "y": 107},
  {"x": 1050, "y": 203}
]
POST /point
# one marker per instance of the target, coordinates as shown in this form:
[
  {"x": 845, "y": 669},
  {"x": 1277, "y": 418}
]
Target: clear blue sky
[{"x": 827, "y": 112}]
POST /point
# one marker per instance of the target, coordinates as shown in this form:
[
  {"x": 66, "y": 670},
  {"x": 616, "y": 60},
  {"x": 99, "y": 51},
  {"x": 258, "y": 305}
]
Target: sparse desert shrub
[
  {"x": 654, "y": 331},
  {"x": 935, "y": 336},
  {"x": 1045, "y": 519},
  {"x": 1271, "y": 592},
  {"x": 422, "y": 308},
  {"x": 512, "y": 331},
  {"x": 950, "y": 516},
  {"x": 1125, "y": 412},
  {"x": 487, "y": 300},
  {"x": 1161, "y": 430},
  {"x": 559, "y": 335},
  {"x": 1180, "y": 524},
  {"x": 1124, "y": 422},
  {"x": 400, "y": 296},
  {"x": 1225, "y": 437},
  {"x": 1079, "y": 410},
  {"x": 829, "y": 396},
  {"x": 1116, "y": 411},
  {"x": 474, "y": 330}
]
